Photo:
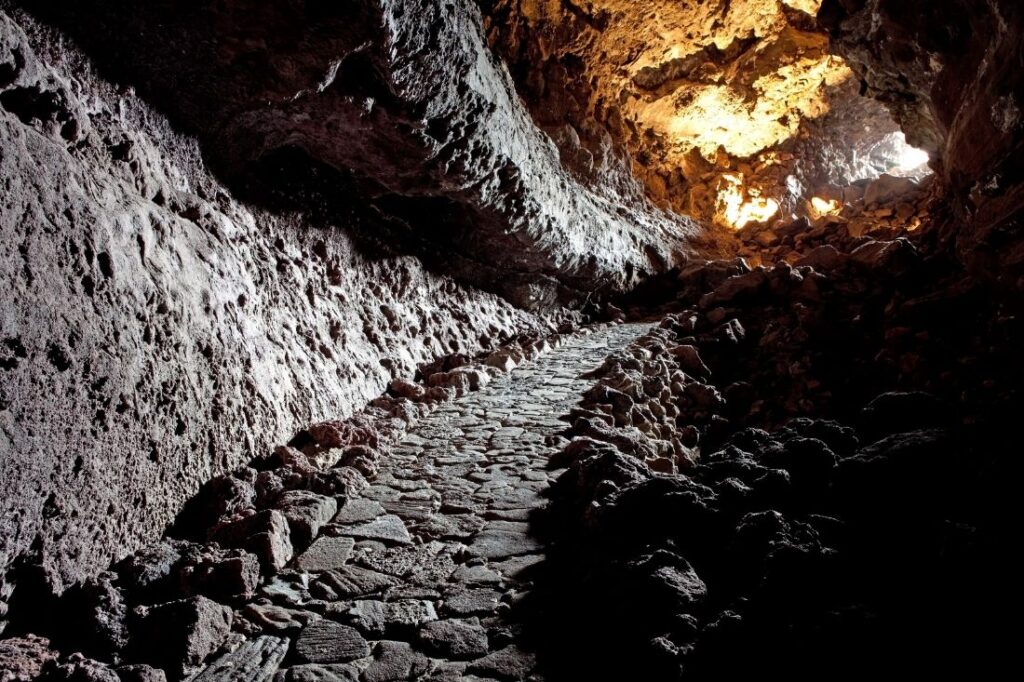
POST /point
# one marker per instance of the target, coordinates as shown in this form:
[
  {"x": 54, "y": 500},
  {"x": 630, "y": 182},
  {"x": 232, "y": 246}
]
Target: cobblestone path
[{"x": 415, "y": 579}]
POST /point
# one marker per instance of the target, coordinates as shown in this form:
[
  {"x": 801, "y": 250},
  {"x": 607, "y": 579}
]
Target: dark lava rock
[
  {"x": 328, "y": 642},
  {"x": 254, "y": 661},
  {"x": 339, "y": 672},
  {"x": 78, "y": 668},
  {"x": 180, "y": 635},
  {"x": 224, "y": 575},
  {"x": 510, "y": 663},
  {"x": 140, "y": 673},
  {"x": 394, "y": 662},
  {"x": 23, "y": 658},
  {"x": 265, "y": 534},
  {"x": 455, "y": 638},
  {"x": 307, "y": 513},
  {"x": 904, "y": 411}
]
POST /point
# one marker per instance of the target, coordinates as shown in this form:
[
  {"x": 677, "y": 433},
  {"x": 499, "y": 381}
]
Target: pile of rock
[
  {"x": 787, "y": 471},
  {"x": 887, "y": 208}
]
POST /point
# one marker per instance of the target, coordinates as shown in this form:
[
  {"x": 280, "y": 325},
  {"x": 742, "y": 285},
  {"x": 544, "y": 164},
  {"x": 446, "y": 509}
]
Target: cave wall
[
  {"x": 154, "y": 331},
  {"x": 952, "y": 74},
  {"x": 405, "y": 97}
]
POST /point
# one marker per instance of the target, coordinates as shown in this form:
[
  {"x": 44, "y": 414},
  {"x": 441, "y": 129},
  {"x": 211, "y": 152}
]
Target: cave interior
[{"x": 509, "y": 340}]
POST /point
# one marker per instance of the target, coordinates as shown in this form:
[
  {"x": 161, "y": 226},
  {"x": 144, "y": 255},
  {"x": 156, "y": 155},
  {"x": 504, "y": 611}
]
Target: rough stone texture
[
  {"x": 950, "y": 72},
  {"x": 328, "y": 642},
  {"x": 254, "y": 661},
  {"x": 23, "y": 658},
  {"x": 694, "y": 99},
  {"x": 406, "y": 101},
  {"x": 192, "y": 332},
  {"x": 179, "y": 636}
]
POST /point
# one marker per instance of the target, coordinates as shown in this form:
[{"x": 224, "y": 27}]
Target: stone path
[{"x": 414, "y": 581}]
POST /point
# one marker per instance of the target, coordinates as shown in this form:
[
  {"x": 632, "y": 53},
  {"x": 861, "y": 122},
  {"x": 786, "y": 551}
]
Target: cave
[{"x": 501, "y": 340}]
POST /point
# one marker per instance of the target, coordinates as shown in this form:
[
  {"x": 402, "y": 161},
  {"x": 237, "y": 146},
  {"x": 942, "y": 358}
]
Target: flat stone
[
  {"x": 471, "y": 603},
  {"x": 517, "y": 566},
  {"x": 350, "y": 582},
  {"x": 455, "y": 638},
  {"x": 496, "y": 543},
  {"x": 475, "y": 575},
  {"x": 511, "y": 663},
  {"x": 388, "y": 528},
  {"x": 273, "y": 618},
  {"x": 395, "y": 661},
  {"x": 325, "y": 554},
  {"x": 328, "y": 642},
  {"x": 338, "y": 672},
  {"x": 255, "y": 661}
]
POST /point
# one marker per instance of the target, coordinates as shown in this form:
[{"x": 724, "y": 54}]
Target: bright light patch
[
  {"x": 739, "y": 206},
  {"x": 907, "y": 160},
  {"x": 823, "y": 207},
  {"x": 912, "y": 158}
]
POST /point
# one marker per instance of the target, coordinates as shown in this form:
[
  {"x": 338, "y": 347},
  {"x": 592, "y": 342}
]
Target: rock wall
[
  {"x": 950, "y": 72},
  {"x": 155, "y": 332},
  {"x": 403, "y": 102}
]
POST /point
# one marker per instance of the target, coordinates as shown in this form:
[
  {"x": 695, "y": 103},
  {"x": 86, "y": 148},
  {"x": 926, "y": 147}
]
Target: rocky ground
[
  {"x": 802, "y": 469},
  {"x": 793, "y": 469},
  {"x": 402, "y": 561}
]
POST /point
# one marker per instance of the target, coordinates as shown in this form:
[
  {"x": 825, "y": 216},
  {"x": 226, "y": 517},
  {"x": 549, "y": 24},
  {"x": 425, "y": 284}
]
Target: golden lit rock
[{"x": 739, "y": 206}]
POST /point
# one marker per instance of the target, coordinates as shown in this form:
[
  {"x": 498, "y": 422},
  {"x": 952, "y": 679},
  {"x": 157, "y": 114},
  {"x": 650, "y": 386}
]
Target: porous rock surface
[
  {"x": 949, "y": 71},
  {"x": 156, "y": 332},
  {"x": 398, "y": 102}
]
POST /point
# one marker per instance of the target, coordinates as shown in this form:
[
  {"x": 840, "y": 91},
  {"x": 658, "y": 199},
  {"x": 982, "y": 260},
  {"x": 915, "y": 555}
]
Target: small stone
[
  {"x": 328, "y": 642},
  {"x": 359, "y": 510},
  {"x": 140, "y": 673},
  {"x": 472, "y": 603},
  {"x": 325, "y": 554},
  {"x": 493, "y": 543},
  {"x": 265, "y": 534},
  {"x": 180, "y": 635},
  {"x": 388, "y": 528},
  {"x": 351, "y": 582},
  {"x": 395, "y": 661},
  {"x": 511, "y": 663},
  {"x": 273, "y": 618},
  {"x": 254, "y": 661},
  {"x": 454, "y": 638},
  {"x": 306, "y": 512}
]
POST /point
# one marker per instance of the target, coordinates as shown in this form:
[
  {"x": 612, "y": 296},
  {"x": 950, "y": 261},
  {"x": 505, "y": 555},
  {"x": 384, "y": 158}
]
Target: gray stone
[
  {"x": 388, "y": 528},
  {"x": 338, "y": 672},
  {"x": 394, "y": 662},
  {"x": 325, "y": 554},
  {"x": 455, "y": 638},
  {"x": 265, "y": 534},
  {"x": 510, "y": 663},
  {"x": 359, "y": 510},
  {"x": 328, "y": 642},
  {"x": 255, "y": 661},
  {"x": 351, "y": 582},
  {"x": 307, "y": 513},
  {"x": 496, "y": 543},
  {"x": 178, "y": 636},
  {"x": 471, "y": 603}
]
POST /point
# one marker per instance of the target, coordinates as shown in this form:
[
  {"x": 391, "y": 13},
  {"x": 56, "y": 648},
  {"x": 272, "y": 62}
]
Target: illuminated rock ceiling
[{"x": 688, "y": 92}]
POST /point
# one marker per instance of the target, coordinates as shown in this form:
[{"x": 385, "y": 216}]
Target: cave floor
[{"x": 425, "y": 568}]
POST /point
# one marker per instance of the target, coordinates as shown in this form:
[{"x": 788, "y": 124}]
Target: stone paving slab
[{"x": 415, "y": 579}]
